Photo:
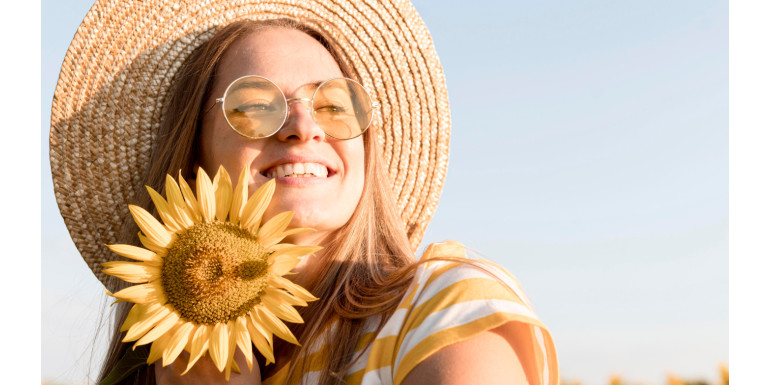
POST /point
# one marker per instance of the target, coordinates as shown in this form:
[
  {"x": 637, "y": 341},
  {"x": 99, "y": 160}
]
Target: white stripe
[
  {"x": 383, "y": 375},
  {"x": 393, "y": 326},
  {"x": 456, "y": 315},
  {"x": 311, "y": 378},
  {"x": 362, "y": 361},
  {"x": 421, "y": 276}
]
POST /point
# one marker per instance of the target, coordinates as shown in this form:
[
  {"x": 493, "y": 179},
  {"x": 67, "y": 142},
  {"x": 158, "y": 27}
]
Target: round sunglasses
[{"x": 256, "y": 108}]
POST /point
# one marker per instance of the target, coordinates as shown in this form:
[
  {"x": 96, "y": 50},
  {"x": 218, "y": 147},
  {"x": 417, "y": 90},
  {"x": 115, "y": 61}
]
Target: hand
[{"x": 205, "y": 373}]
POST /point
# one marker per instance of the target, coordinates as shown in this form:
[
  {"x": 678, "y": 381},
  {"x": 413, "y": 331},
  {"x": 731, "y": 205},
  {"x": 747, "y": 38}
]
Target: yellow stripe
[
  {"x": 278, "y": 377},
  {"x": 442, "y": 338},
  {"x": 355, "y": 378}
]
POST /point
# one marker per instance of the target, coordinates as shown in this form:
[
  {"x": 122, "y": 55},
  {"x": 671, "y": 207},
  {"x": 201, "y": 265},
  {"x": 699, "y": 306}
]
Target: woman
[{"x": 380, "y": 317}]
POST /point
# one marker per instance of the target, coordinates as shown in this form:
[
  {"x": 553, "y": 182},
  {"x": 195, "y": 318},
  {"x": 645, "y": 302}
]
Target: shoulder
[{"x": 454, "y": 299}]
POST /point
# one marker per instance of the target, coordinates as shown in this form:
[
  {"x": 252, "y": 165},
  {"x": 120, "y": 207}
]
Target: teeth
[{"x": 298, "y": 170}]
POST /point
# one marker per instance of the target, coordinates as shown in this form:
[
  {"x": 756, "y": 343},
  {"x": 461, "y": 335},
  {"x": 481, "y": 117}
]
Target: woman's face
[{"x": 297, "y": 63}]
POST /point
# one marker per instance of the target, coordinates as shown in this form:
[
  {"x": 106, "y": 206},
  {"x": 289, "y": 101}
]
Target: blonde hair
[{"x": 367, "y": 264}]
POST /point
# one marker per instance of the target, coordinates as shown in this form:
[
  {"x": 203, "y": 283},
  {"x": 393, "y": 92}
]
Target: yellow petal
[
  {"x": 177, "y": 204},
  {"x": 163, "y": 210},
  {"x": 293, "y": 251},
  {"x": 230, "y": 349},
  {"x": 282, "y": 310},
  {"x": 260, "y": 326},
  {"x": 149, "y": 319},
  {"x": 135, "y": 253},
  {"x": 132, "y": 317},
  {"x": 240, "y": 195},
  {"x": 295, "y": 231},
  {"x": 160, "y": 329},
  {"x": 206, "y": 197},
  {"x": 151, "y": 245},
  {"x": 134, "y": 272},
  {"x": 296, "y": 290},
  {"x": 282, "y": 265},
  {"x": 270, "y": 233},
  {"x": 199, "y": 345},
  {"x": 218, "y": 346},
  {"x": 177, "y": 342},
  {"x": 157, "y": 348},
  {"x": 284, "y": 297},
  {"x": 275, "y": 325},
  {"x": 263, "y": 345},
  {"x": 241, "y": 333},
  {"x": 251, "y": 216},
  {"x": 189, "y": 199},
  {"x": 223, "y": 193},
  {"x": 144, "y": 293},
  {"x": 152, "y": 229}
]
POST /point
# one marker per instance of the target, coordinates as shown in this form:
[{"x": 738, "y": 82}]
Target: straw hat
[{"x": 119, "y": 68}]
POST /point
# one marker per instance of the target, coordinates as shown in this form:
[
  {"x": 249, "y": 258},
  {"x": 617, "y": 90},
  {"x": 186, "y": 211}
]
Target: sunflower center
[{"x": 214, "y": 272}]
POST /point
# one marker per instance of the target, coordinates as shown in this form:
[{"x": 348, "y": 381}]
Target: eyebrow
[{"x": 252, "y": 84}]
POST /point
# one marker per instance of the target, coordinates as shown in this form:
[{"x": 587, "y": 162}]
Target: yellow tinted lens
[
  {"x": 254, "y": 107},
  {"x": 342, "y": 108}
]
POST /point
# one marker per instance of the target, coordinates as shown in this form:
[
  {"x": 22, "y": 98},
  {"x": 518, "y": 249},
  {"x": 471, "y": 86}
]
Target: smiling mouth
[{"x": 297, "y": 170}]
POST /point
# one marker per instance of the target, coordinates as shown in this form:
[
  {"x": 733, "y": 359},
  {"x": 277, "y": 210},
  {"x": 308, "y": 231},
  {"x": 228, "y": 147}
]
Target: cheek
[{"x": 218, "y": 146}]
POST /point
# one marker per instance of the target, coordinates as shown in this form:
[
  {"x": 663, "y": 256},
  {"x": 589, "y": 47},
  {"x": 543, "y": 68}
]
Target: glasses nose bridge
[{"x": 289, "y": 101}]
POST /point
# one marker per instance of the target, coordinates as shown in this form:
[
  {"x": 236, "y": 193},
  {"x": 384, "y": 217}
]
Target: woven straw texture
[{"x": 120, "y": 64}]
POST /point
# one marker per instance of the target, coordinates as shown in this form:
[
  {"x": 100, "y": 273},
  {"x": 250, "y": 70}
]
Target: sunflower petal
[
  {"x": 262, "y": 344},
  {"x": 189, "y": 199},
  {"x": 260, "y": 327},
  {"x": 275, "y": 325},
  {"x": 157, "y": 348},
  {"x": 223, "y": 193},
  {"x": 251, "y": 216},
  {"x": 218, "y": 346},
  {"x": 144, "y": 293},
  {"x": 282, "y": 310},
  {"x": 270, "y": 233},
  {"x": 284, "y": 297},
  {"x": 163, "y": 210},
  {"x": 152, "y": 229},
  {"x": 282, "y": 265},
  {"x": 177, "y": 342},
  {"x": 177, "y": 203},
  {"x": 134, "y": 272},
  {"x": 240, "y": 196},
  {"x": 296, "y": 290},
  {"x": 135, "y": 253},
  {"x": 132, "y": 317},
  {"x": 150, "y": 245},
  {"x": 160, "y": 329},
  {"x": 295, "y": 231},
  {"x": 206, "y": 197},
  {"x": 230, "y": 349},
  {"x": 151, "y": 316},
  {"x": 293, "y": 251},
  {"x": 198, "y": 345},
  {"x": 241, "y": 333}
]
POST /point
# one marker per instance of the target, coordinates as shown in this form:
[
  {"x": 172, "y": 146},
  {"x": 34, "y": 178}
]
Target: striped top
[{"x": 446, "y": 303}]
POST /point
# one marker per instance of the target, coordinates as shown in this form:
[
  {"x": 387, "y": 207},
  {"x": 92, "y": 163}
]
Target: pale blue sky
[{"x": 588, "y": 157}]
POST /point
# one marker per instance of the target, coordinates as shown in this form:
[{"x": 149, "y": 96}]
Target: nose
[{"x": 300, "y": 125}]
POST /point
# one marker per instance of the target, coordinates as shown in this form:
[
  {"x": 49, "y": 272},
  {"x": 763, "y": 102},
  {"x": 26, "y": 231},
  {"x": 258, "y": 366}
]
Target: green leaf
[{"x": 129, "y": 363}]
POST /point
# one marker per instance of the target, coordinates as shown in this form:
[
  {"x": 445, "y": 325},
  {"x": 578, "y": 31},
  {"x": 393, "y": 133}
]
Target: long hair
[{"x": 367, "y": 264}]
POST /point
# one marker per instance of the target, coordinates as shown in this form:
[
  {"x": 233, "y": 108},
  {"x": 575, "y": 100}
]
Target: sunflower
[{"x": 210, "y": 276}]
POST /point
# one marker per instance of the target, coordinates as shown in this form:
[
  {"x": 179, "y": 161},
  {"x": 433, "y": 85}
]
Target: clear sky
[{"x": 588, "y": 156}]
